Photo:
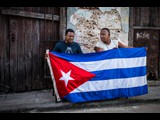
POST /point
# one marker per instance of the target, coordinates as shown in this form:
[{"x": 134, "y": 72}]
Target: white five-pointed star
[{"x": 66, "y": 77}]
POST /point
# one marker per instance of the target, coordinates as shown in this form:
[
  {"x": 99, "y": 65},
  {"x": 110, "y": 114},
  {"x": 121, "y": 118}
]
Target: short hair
[
  {"x": 106, "y": 29},
  {"x": 69, "y": 30}
]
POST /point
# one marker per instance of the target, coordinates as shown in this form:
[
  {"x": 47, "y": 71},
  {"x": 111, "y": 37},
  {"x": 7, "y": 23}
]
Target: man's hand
[
  {"x": 98, "y": 49},
  {"x": 46, "y": 55}
]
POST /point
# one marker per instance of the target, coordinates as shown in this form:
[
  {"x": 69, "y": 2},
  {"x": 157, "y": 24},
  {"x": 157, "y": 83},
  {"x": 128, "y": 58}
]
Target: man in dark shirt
[{"x": 68, "y": 45}]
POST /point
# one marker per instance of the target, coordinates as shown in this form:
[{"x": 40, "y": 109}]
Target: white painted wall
[{"x": 87, "y": 24}]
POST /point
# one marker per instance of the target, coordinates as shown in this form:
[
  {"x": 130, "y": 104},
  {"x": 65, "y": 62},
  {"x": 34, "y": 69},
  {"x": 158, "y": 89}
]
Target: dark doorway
[{"x": 149, "y": 38}]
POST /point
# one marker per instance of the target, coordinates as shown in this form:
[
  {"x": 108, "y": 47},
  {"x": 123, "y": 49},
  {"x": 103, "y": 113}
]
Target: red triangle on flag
[{"x": 77, "y": 77}]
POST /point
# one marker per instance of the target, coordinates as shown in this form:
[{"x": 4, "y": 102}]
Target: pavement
[{"x": 43, "y": 100}]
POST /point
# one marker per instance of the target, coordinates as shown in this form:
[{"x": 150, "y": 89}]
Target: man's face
[
  {"x": 69, "y": 37},
  {"x": 105, "y": 36}
]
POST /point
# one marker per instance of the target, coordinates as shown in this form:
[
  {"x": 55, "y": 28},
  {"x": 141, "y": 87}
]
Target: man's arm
[
  {"x": 121, "y": 45},
  {"x": 98, "y": 49}
]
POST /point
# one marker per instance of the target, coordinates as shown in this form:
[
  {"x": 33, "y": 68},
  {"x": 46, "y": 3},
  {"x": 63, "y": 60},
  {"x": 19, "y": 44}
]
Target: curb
[
  {"x": 66, "y": 106},
  {"x": 99, "y": 104}
]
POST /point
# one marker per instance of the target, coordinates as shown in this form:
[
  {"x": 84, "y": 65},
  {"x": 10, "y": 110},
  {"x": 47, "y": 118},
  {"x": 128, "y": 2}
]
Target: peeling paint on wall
[{"x": 88, "y": 22}]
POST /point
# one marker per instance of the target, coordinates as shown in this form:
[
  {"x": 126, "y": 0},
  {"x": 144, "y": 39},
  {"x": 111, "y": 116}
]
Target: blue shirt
[{"x": 71, "y": 48}]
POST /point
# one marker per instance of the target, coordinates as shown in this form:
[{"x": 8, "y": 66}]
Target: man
[
  {"x": 68, "y": 45},
  {"x": 106, "y": 43}
]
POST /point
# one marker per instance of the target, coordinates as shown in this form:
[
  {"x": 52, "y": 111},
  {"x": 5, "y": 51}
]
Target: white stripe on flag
[
  {"x": 111, "y": 64},
  {"x": 111, "y": 84}
]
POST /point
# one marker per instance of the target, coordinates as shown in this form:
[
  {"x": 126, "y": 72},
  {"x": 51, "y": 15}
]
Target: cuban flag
[{"x": 111, "y": 74}]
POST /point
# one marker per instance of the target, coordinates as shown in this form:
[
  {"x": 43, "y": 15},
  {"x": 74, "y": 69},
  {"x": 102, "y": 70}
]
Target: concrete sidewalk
[{"x": 44, "y": 101}]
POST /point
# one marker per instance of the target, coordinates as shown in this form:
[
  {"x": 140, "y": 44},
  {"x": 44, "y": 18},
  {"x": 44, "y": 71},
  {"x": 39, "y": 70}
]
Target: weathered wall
[{"x": 87, "y": 22}]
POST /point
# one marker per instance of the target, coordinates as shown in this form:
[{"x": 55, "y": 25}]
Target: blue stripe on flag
[
  {"x": 107, "y": 94},
  {"x": 119, "y": 73},
  {"x": 110, "y": 54}
]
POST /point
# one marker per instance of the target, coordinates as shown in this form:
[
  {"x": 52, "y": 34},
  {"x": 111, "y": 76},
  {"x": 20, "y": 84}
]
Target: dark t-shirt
[{"x": 71, "y": 48}]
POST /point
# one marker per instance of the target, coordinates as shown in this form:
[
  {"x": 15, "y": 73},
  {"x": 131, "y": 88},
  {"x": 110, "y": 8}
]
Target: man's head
[
  {"x": 69, "y": 36},
  {"x": 105, "y": 35}
]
